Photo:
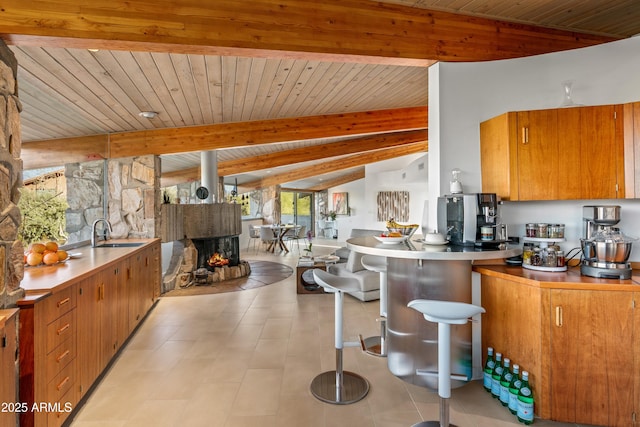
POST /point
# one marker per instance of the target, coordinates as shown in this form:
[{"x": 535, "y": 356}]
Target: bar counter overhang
[{"x": 419, "y": 271}]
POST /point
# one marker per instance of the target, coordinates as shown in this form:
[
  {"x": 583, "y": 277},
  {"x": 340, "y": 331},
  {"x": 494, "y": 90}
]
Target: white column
[{"x": 209, "y": 174}]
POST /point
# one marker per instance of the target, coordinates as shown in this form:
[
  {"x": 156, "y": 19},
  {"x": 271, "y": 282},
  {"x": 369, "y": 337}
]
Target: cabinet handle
[
  {"x": 525, "y": 135},
  {"x": 559, "y": 316},
  {"x": 63, "y": 302},
  {"x": 62, "y": 356},
  {"x": 62, "y": 383},
  {"x": 64, "y": 328}
]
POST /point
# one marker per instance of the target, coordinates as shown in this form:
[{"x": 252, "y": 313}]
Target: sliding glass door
[{"x": 297, "y": 208}]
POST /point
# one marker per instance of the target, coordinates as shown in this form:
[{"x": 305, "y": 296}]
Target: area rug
[{"x": 263, "y": 273}]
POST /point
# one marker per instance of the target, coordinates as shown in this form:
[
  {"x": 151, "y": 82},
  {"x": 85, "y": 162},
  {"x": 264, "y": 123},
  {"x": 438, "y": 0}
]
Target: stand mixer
[{"x": 605, "y": 250}]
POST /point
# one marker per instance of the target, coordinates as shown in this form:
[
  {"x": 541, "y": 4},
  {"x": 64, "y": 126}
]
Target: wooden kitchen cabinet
[
  {"x": 8, "y": 355},
  {"x": 70, "y": 333},
  {"x": 48, "y": 368},
  {"x": 579, "y": 346},
  {"x": 557, "y": 154}
]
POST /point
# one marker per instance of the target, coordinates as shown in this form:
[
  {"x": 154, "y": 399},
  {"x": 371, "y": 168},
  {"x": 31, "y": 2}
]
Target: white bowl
[
  {"x": 390, "y": 240},
  {"x": 435, "y": 239}
]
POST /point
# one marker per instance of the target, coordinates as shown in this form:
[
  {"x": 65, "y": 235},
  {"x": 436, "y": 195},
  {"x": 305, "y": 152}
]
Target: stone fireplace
[
  {"x": 218, "y": 251},
  {"x": 210, "y": 245}
]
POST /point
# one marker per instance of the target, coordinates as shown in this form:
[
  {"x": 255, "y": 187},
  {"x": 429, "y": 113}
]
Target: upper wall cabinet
[{"x": 558, "y": 154}]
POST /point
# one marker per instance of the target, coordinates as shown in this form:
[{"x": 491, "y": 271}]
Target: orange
[
  {"x": 50, "y": 258},
  {"x": 37, "y": 247},
  {"x": 52, "y": 246},
  {"x": 34, "y": 258},
  {"x": 62, "y": 255}
]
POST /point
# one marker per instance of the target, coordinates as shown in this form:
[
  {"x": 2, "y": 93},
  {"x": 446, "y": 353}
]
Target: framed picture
[{"x": 341, "y": 203}]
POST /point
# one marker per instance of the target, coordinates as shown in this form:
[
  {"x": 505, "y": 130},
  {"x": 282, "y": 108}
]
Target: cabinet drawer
[
  {"x": 58, "y": 304},
  {"x": 60, "y": 330},
  {"x": 60, "y": 357},
  {"x": 61, "y": 383},
  {"x": 58, "y": 414}
]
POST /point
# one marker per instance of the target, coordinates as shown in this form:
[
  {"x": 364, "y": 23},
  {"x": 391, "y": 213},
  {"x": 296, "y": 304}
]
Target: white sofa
[{"x": 369, "y": 280}]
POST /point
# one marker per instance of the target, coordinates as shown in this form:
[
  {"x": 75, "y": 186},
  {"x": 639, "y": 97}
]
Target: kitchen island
[
  {"x": 417, "y": 270},
  {"x": 75, "y": 317},
  {"x": 577, "y": 336}
]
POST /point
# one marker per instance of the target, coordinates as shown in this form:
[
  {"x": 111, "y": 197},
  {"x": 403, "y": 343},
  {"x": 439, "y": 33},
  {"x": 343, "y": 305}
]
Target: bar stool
[
  {"x": 340, "y": 387},
  {"x": 445, "y": 314},
  {"x": 376, "y": 345}
]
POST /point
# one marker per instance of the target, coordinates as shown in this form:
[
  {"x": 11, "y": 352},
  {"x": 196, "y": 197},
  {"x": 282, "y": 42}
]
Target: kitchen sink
[{"x": 119, "y": 245}]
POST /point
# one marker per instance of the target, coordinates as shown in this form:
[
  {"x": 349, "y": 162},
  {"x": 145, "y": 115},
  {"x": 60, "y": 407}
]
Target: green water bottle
[
  {"x": 514, "y": 388},
  {"x": 525, "y": 401},
  {"x": 505, "y": 380},
  {"x": 488, "y": 369},
  {"x": 495, "y": 376}
]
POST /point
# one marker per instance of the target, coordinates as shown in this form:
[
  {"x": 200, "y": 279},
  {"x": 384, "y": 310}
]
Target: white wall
[
  {"x": 383, "y": 176},
  {"x": 461, "y": 95}
]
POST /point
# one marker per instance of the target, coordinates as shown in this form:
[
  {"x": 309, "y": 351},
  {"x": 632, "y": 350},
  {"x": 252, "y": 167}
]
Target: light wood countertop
[
  {"x": 571, "y": 279},
  {"x": 45, "y": 279}
]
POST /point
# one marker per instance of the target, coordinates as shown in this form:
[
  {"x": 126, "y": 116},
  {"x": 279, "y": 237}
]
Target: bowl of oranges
[
  {"x": 47, "y": 253},
  {"x": 391, "y": 237}
]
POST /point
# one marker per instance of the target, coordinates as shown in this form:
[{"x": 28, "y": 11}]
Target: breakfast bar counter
[{"x": 418, "y": 270}]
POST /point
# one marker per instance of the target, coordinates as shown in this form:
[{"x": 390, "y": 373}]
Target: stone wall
[
  {"x": 133, "y": 194},
  {"x": 11, "y": 249}
]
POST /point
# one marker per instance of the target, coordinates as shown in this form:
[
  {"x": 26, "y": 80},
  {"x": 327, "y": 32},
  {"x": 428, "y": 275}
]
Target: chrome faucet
[{"x": 104, "y": 231}]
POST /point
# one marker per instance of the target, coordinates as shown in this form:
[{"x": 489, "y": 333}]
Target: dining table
[{"x": 280, "y": 231}]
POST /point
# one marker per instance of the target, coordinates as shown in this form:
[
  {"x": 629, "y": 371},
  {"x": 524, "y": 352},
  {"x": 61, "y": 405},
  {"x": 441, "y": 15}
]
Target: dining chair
[
  {"x": 254, "y": 236},
  {"x": 297, "y": 235},
  {"x": 267, "y": 236}
]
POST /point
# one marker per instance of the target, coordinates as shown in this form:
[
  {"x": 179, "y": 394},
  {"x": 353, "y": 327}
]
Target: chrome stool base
[
  {"x": 431, "y": 424},
  {"x": 354, "y": 387}
]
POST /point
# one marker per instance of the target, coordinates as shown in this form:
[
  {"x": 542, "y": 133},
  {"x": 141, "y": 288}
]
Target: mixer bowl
[{"x": 607, "y": 251}]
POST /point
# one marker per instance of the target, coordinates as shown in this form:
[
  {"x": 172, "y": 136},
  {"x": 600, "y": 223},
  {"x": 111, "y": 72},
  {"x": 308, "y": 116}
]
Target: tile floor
[{"x": 245, "y": 359}]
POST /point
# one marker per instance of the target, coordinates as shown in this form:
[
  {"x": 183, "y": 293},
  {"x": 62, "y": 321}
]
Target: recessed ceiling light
[
  {"x": 93, "y": 50},
  {"x": 148, "y": 114}
]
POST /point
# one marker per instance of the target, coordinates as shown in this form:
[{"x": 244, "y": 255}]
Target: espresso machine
[
  {"x": 470, "y": 219},
  {"x": 605, "y": 250}
]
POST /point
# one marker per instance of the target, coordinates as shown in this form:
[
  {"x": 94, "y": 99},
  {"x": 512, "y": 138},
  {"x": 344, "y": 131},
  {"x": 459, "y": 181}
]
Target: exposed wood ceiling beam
[
  {"x": 251, "y": 133},
  {"x": 298, "y": 155},
  {"x": 322, "y": 151},
  {"x": 344, "y": 179},
  {"x": 342, "y": 163},
  {"x": 333, "y": 30},
  {"x": 224, "y": 135}
]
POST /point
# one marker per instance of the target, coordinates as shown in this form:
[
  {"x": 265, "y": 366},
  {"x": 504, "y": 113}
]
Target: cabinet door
[
  {"x": 537, "y": 155},
  {"x": 88, "y": 308},
  {"x": 592, "y": 357},
  {"x": 121, "y": 283},
  {"x": 8, "y": 386},
  {"x": 602, "y": 152}
]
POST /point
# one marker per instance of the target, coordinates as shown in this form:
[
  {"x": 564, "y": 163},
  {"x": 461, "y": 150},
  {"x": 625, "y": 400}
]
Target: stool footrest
[{"x": 426, "y": 373}]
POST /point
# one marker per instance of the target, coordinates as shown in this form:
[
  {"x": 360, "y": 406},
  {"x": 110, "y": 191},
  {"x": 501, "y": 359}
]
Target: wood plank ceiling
[{"x": 69, "y": 93}]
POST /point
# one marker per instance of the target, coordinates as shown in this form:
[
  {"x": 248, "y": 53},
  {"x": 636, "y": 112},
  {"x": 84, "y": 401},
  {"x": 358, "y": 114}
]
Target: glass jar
[
  {"x": 531, "y": 230},
  {"x": 556, "y": 231},
  {"x": 527, "y": 251},
  {"x": 560, "y": 261},
  {"x": 536, "y": 257},
  {"x": 543, "y": 230},
  {"x": 552, "y": 260}
]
